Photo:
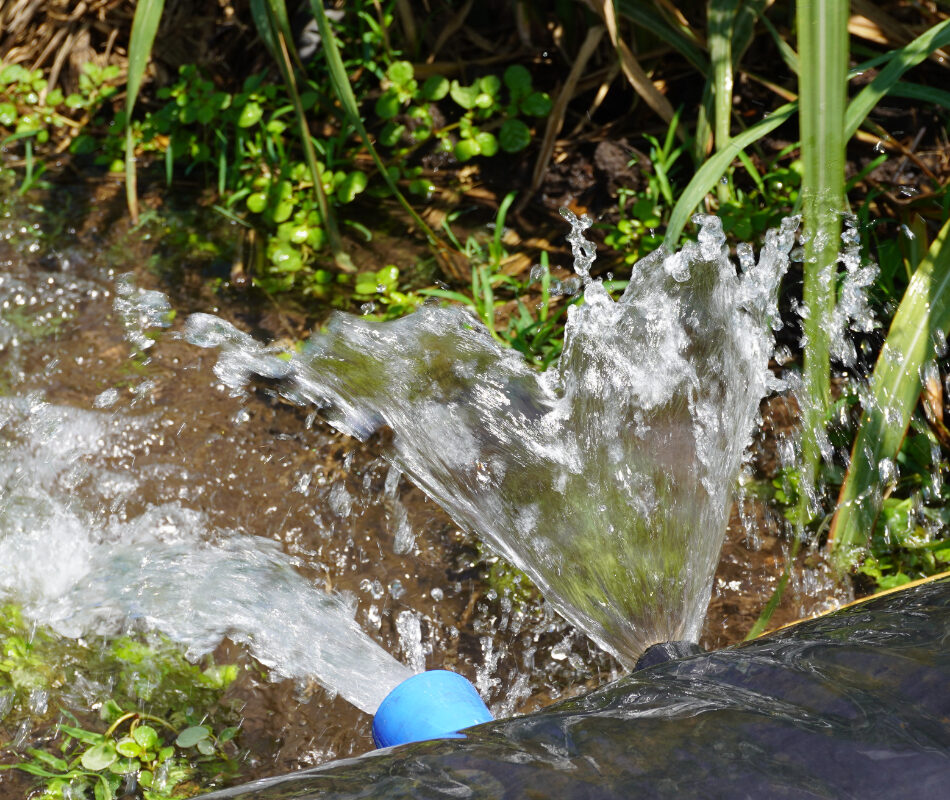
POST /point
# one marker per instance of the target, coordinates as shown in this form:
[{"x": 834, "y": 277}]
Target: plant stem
[
  {"x": 721, "y": 15},
  {"x": 823, "y": 51}
]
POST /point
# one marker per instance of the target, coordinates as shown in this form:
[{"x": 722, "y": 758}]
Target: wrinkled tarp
[{"x": 854, "y": 704}]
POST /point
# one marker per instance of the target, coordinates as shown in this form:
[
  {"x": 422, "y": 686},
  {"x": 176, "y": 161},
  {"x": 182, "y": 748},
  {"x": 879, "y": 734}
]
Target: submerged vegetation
[
  {"x": 324, "y": 134},
  {"x": 153, "y": 717}
]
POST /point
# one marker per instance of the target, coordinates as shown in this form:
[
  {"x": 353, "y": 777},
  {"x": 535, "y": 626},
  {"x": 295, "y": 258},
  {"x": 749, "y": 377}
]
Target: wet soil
[{"x": 265, "y": 468}]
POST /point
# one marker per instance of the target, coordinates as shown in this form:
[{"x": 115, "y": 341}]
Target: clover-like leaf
[{"x": 465, "y": 96}]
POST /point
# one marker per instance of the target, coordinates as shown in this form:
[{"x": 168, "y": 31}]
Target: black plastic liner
[{"x": 854, "y": 704}]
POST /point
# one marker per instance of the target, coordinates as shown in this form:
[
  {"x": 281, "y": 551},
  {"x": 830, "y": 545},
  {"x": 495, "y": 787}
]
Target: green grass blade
[
  {"x": 709, "y": 174},
  {"x": 721, "y": 19},
  {"x": 902, "y": 60},
  {"x": 789, "y": 56},
  {"x": 642, "y": 14},
  {"x": 926, "y": 94},
  {"x": 924, "y": 313},
  {"x": 148, "y": 13},
  {"x": 744, "y": 27},
  {"x": 344, "y": 93}
]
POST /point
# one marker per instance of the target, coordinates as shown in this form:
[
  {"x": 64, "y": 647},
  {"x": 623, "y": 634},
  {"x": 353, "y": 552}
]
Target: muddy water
[{"x": 260, "y": 467}]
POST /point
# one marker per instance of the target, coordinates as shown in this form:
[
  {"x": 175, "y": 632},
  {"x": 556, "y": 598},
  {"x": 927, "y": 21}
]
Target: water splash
[
  {"x": 77, "y": 560},
  {"x": 607, "y": 478}
]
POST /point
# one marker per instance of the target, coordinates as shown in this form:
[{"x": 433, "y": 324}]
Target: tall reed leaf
[
  {"x": 922, "y": 317},
  {"x": 823, "y": 84},
  {"x": 344, "y": 93},
  {"x": 148, "y": 13},
  {"x": 900, "y": 61}
]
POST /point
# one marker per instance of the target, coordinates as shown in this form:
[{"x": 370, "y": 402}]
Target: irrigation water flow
[{"x": 607, "y": 478}]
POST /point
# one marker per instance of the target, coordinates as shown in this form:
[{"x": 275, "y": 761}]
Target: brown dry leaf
[{"x": 634, "y": 73}]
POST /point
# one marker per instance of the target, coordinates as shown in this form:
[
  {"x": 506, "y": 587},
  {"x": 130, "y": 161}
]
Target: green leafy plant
[
  {"x": 169, "y": 751},
  {"x": 644, "y": 213},
  {"x": 924, "y": 313},
  {"x": 488, "y": 102},
  {"x": 36, "y": 117},
  {"x": 162, "y": 762},
  {"x": 246, "y": 143}
]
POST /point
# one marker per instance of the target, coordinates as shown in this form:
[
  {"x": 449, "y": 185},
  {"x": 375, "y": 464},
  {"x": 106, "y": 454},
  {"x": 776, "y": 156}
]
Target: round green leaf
[
  {"x": 316, "y": 238},
  {"x": 391, "y": 133},
  {"x": 490, "y": 84},
  {"x": 205, "y": 747},
  {"x": 435, "y": 88},
  {"x": 352, "y": 185},
  {"x": 189, "y": 737},
  {"x": 99, "y": 757},
  {"x": 400, "y": 72},
  {"x": 124, "y": 766},
  {"x": 387, "y": 106},
  {"x": 536, "y": 104},
  {"x": 514, "y": 136},
  {"x": 146, "y": 736},
  {"x": 388, "y": 276},
  {"x": 466, "y": 149},
  {"x": 128, "y": 747},
  {"x": 518, "y": 79},
  {"x": 229, "y": 733},
  {"x": 7, "y": 114},
  {"x": 257, "y": 202},
  {"x": 465, "y": 96},
  {"x": 283, "y": 211},
  {"x": 285, "y": 258},
  {"x": 293, "y": 232},
  {"x": 487, "y": 143},
  {"x": 422, "y": 187},
  {"x": 484, "y": 100},
  {"x": 250, "y": 115}
]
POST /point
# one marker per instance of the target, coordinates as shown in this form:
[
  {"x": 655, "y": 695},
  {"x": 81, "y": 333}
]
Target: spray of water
[
  {"x": 607, "y": 478},
  {"x": 77, "y": 558}
]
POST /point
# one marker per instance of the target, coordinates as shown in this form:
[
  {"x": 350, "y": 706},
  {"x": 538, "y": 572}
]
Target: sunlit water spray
[{"x": 607, "y": 478}]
